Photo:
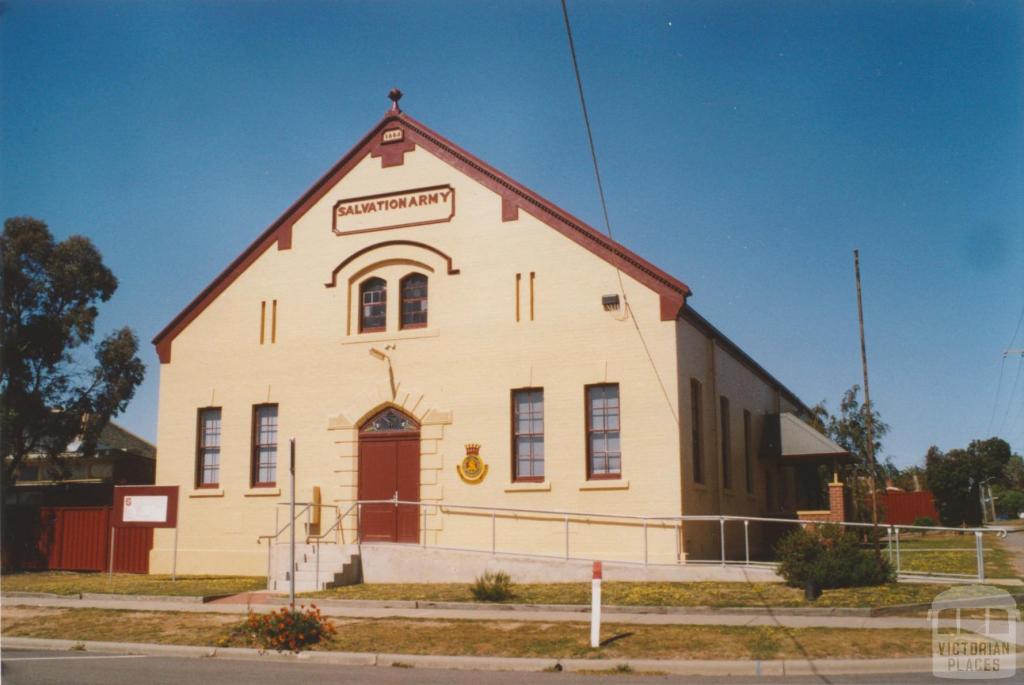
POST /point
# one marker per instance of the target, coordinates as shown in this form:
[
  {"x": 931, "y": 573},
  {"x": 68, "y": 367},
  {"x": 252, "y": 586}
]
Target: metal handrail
[
  {"x": 892, "y": 531},
  {"x": 336, "y": 524},
  {"x": 1002, "y": 532},
  {"x": 285, "y": 527}
]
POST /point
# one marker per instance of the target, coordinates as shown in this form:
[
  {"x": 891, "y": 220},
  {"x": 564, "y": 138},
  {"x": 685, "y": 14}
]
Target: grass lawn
[
  {"x": 66, "y": 583},
  {"x": 942, "y": 553},
  {"x": 482, "y": 638},
  {"x": 652, "y": 594}
]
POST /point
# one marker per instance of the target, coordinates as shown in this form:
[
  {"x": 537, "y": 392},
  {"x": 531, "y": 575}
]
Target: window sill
[
  {"x": 207, "y": 492},
  {"x": 384, "y": 336},
  {"x": 605, "y": 484},
  {"x": 262, "y": 492},
  {"x": 528, "y": 487}
]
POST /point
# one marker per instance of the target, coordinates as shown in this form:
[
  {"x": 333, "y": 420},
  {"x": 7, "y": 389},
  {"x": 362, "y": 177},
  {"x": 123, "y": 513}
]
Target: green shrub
[
  {"x": 285, "y": 629},
  {"x": 1009, "y": 503},
  {"x": 492, "y": 587},
  {"x": 830, "y": 558},
  {"x": 924, "y": 521}
]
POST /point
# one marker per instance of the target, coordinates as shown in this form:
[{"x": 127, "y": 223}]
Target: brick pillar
[{"x": 836, "y": 500}]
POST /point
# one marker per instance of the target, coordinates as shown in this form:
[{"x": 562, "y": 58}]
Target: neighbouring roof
[
  {"x": 113, "y": 440},
  {"x": 786, "y": 436},
  {"x": 114, "y": 437}
]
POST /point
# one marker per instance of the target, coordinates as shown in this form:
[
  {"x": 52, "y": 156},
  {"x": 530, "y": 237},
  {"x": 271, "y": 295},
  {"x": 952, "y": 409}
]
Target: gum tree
[{"x": 54, "y": 389}]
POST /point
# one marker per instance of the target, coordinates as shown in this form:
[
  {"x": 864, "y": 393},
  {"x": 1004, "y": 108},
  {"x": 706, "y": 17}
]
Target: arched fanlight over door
[{"x": 390, "y": 421}]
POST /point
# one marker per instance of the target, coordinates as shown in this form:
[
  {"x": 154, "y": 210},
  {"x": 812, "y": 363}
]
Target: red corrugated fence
[
  {"x": 902, "y": 508},
  {"x": 76, "y": 539}
]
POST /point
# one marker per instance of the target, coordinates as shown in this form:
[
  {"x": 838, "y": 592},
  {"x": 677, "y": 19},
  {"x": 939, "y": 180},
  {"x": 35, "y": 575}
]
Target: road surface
[{"x": 38, "y": 667}]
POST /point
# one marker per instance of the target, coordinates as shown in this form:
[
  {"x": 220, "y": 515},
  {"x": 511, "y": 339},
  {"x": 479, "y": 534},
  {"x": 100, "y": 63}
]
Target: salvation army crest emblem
[{"x": 472, "y": 469}]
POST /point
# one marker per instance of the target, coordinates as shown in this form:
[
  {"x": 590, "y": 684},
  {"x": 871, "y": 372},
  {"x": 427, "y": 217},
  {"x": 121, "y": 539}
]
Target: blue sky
[{"x": 746, "y": 147}]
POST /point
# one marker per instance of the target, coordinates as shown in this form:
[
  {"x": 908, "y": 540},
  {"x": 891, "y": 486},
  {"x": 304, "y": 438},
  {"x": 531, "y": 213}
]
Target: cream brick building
[{"x": 415, "y": 301}]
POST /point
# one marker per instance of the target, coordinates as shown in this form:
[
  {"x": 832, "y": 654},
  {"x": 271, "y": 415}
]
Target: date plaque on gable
[
  {"x": 392, "y": 135},
  {"x": 416, "y": 207}
]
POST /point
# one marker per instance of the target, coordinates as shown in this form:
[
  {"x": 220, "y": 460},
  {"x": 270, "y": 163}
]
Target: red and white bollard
[{"x": 595, "y": 607}]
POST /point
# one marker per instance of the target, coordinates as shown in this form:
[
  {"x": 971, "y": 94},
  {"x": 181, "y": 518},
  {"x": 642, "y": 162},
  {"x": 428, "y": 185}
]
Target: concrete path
[
  {"x": 505, "y": 615},
  {"x": 1014, "y": 545}
]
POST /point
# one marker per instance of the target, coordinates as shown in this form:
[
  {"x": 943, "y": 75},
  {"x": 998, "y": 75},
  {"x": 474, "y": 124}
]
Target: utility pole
[
  {"x": 867, "y": 408},
  {"x": 984, "y": 507}
]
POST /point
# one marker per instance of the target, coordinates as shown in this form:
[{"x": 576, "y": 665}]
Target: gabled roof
[{"x": 515, "y": 197}]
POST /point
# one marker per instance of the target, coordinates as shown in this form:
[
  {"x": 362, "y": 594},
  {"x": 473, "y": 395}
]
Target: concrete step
[{"x": 315, "y": 567}]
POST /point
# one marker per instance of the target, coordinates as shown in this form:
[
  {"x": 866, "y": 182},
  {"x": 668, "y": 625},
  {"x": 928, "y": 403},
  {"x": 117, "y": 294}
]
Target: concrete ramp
[{"x": 402, "y": 563}]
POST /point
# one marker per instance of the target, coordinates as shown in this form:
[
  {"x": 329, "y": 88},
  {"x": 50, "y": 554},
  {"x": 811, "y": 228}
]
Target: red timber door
[{"x": 389, "y": 464}]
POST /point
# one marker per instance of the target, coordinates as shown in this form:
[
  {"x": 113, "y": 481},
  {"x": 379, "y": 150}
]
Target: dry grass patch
[
  {"x": 624, "y": 641},
  {"x": 652, "y": 594},
  {"x": 105, "y": 625},
  {"x": 67, "y": 583},
  {"x": 482, "y": 638}
]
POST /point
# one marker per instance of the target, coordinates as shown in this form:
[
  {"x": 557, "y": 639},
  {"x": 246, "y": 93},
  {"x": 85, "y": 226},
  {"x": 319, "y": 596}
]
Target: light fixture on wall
[{"x": 374, "y": 352}]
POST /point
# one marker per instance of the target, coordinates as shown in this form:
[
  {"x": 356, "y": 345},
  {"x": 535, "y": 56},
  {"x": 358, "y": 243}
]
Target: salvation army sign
[
  {"x": 145, "y": 506},
  {"x": 416, "y": 207}
]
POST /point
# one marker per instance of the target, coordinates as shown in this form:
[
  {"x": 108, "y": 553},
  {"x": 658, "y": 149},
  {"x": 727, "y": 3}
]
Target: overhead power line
[
  {"x": 1002, "y": 367},
  {"x": 1013, "y": 390},
  {"x": 604, "y": 208},
  {"x": 995, "y": 402}
]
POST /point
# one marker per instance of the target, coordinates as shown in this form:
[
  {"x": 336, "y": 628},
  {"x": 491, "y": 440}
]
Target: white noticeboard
[{"x": 145, "y": 509}]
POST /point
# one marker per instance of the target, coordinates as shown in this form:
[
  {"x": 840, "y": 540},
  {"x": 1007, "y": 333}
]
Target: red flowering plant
[{"x": 288, "y": 629}]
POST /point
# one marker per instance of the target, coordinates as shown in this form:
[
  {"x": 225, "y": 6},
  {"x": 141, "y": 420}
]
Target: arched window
[
  {"x": 414, "y": 301},
  {"x": 373, "y": 300}
]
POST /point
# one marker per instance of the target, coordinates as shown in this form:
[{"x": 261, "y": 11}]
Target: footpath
[
  {"x": 547, "y": 613},
  {"x": 262, "y": 601}
]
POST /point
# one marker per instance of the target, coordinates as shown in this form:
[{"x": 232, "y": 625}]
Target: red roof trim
[
  {"x": 672, "y": 291},
  {"x": 280, "y": 230},
  {"x": 551, "y": 214}
]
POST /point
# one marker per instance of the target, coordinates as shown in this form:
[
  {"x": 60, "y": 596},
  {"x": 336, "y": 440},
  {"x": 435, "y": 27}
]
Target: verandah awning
[{"x": 790, "y": 439}]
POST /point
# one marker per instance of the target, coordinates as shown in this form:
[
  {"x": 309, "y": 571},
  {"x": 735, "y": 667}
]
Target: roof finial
[{"x": 395, "y": 95}]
